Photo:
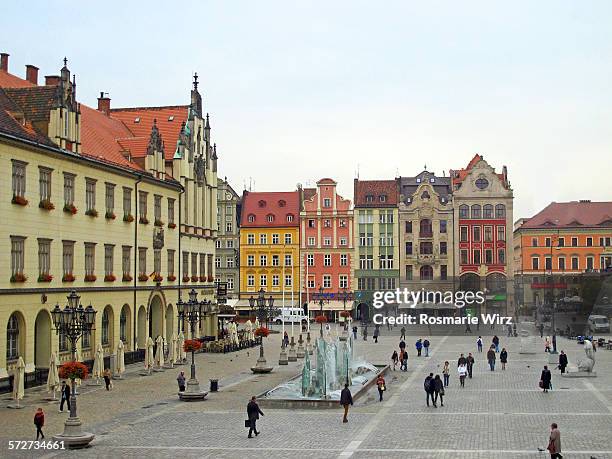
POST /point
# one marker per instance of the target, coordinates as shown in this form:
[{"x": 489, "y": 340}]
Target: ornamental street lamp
[
  {"x": 192, "y": 310},
  {"x": 345, "y": 296},
  {"x": 321, "y": 302},
  {"x": 264, "y": 310},
  {"x": 553, "y": 303},
  {"x": 72, "y": 323}
]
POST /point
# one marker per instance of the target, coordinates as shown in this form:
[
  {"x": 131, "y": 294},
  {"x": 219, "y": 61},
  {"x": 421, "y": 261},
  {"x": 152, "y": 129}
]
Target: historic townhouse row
[{"x": 117, "y": 204}]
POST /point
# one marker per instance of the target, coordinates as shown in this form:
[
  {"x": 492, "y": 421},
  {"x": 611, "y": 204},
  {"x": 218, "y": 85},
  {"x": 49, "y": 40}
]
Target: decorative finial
[
  {"x": 65, "y": 61},
  {"x": 425, "y": 167},
  {"x": 195, "y": 81}
]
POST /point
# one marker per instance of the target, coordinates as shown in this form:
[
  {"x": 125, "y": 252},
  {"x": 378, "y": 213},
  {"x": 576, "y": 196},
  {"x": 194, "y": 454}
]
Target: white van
[
  {"x": 289, "y": 315},
  {"x": 599, "y": 324}
]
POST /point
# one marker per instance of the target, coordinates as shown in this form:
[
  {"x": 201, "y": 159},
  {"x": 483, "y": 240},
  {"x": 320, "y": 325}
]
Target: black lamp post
[
  {"x": 264, "y": 310},
  {"x": 345, "y": 296},
  {"x": 553, "y": 303},
  {"x": 73, "y": 322},
  {"x": 321, "y": 301}
]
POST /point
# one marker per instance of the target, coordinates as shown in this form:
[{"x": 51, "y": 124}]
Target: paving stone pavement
[{"x": 497, "y": 414}]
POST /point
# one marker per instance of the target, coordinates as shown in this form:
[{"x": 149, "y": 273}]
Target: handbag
[
  {"x": 551, "y": 447},
  {"x": 541, "y": 384},
  {"x": 247, "y": 423},
  {"x": 382, "y": 387}
]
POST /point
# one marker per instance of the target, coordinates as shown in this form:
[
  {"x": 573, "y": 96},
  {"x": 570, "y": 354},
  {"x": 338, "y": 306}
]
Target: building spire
[{"x": 195, "y": 81}]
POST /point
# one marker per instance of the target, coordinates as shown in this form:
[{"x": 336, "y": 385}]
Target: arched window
[
  {"x": 12, "y": 338},
  {"x": 123, "y": 325},
  {"x": 282, "y": 203},
  {"x": 251, "y": 218},
  {"x": 500, "y": 211},
  {"x": 426, "y": 228},
  {"x": 270, "y": 218},
  {"x": 261, "y": 203},
  {"x": 289, "y": 217},
  {"x": 105, "y": 327},
  {"x": 496, "y": 283},
  {"x": 426, "y": 272},
  {"x": 464, "y": 211},
  {"x": 487, "y": 211},
  {"x": 476, "y": 211}
]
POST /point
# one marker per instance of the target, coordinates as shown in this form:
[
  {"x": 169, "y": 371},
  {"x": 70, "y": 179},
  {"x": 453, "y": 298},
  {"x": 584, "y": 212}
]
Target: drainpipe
[
  {"x": 134, "y": 277},
  {"x": 180, "y": 254}
]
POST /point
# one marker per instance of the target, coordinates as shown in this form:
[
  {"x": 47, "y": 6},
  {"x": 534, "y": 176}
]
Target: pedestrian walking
[
  {"x": 402, "y": 344},
  {"x": 426, "y": 347},
  {"x": 394, "y": 359},
  {"x": 479, "y": 343},
  {"x": 545, "y": 379},
  {"x": 509, "y": 331},
  {"x": 470, "y": 364},
  {"x": 180, "y": 379},
  {"x": 346, "y": 400},
  {"x": 428, "y": 385},
  {"x": 496, "y": 343},
  {"x": 462, "y": 371},
  {"x": 354, "y": 331},
  {"x": 403, "y": 360},
  {"x": 446, "y": 373},
  {"x": 419, "y": 346},
  {"x": 286, "y": 338},
  {"x": 380, "y": 383},
  {"x": 107, "y": 379},
  {"x": 39, "y": 422},
  {"x": 376, "y": 333},
  {"x": 65, "y": 391},
  {"x": 365, "y": 333},
  {"x": 554, "y": 442},
  {"x": 547, "y": 344},
  {"x": 491, "y": 358},
  {"x": 467, "y": 328},
  {"x": 438, "y": 390},
  {"x": 562, "y": 362},
  {"x": 461, "y": 361},
  {"x": 503, "y": 358},
  {"x": 541, "y": 330},
  {"x": 403, "y": 333},
  {"x": 253, "y": 412}
]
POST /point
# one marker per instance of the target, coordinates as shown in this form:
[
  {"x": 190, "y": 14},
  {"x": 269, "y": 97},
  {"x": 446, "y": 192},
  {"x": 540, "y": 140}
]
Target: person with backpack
[
  {"x": 394, "y": 359},
  {"x": 446, "y": 373},
  {"x": 426, "y": 347},
  {"x": 470, "y": 364},
  {"x": 428, "y": 385},
  {"x": 491, "y": 358},
  {"x": 403, "y": 360},
  {"x": 503, "y": 358},
  {"x": 39, "y": 422},
  {"x": 438, "y": 390},
  {"x": 419, "y": 346},
  {"x": 380, "y": 384},
  {"x": 479, "y": 343}
]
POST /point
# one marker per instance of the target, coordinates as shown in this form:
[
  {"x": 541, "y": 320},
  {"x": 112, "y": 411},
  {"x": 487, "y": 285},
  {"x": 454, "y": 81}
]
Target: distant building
[{"x": 227, "y": 255}]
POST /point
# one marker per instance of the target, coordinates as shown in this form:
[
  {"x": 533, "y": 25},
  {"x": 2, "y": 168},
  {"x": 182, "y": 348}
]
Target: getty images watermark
[{"x": 431, "y": 299}]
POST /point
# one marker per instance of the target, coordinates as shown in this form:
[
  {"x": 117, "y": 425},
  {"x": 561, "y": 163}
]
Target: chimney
[
  {"x": 52, "y": 80},
  {"x": 4, "y": 61},
  {"x": 104, "y": 103},
  {"x": 32, "y": 74}
]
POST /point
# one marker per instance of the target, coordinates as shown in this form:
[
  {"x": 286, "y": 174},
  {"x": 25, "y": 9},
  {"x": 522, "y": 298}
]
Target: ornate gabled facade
[
  {"x": 426, "y": 232},
  {"x": 227, "y": 255},
  {"x": 483, "y": 203}
]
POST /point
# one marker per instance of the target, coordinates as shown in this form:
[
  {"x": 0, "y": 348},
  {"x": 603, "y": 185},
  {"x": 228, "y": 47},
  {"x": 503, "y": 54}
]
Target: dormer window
[
  {"x": 383, "y": 198},
  {"x": 289, "y": 217},
  {"x": 418, "y": 180},
  {"x": 137, "y": 120},
  {"x": 270, "y": 218},
  {"x": 261, "y": 203},
  {"x": 282, "y": 203},
  {"x": 369, "y": 198},
  {"x": 432, "y": 180},
  {"x": 251, "y": 218},
  {"x": 171, "y": 118}
]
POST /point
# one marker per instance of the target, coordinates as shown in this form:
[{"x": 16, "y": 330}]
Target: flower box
[
  {"x": 46, "y": 204},
  {"x": 158, "y": 223},
  {"x": 211, "y": 279},
  {"x": 91, "y": 213},
  {"x": 202, "y": 278},
  {"x": 191, "y": 345},
  {"x": 194, "y": 278},
  {"x": 320, "y": 319},
  {"x": 186, "y": 278},
  {"x": 158, "y": 278},
  {"x": 73, "y": 370},
  {"x": 129, "y": 218},
  {"x": 143, "y": 220},
  {"x": 171, "y": 278},
  {"x": 127, "y": 278},
  {"x": 143, "y": 277},
  {"x": 70, "y": 209},
  {"x": 20, "y": 201},
  {"x": 68, "y": 278},
  {"x": 90, "y": 278},
  {"x": 171, "y": 225},
  {"x": 110, "y": 278},
  {"x": 110, "y": 216},
  {"x": 45, "y": 278},
  {"x": 262, "y": 332},
  {"x": 345, "y": 314},
  {"x": 19, "y": 277}
]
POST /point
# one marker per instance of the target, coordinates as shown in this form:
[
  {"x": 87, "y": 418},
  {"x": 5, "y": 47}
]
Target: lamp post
[
  {"x": 262, "y": 315},
  {"x": 553, "y": 303},
  {"x": 193, "y": 310},
  {"x": 345, "y": 296},
  {"x": 321, "y": 306},
  {"x": 73, "y": 322}
]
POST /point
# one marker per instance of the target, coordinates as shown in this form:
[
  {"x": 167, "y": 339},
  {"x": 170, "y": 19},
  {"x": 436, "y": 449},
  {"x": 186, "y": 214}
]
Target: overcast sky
[{"x": 298, "y": 91}]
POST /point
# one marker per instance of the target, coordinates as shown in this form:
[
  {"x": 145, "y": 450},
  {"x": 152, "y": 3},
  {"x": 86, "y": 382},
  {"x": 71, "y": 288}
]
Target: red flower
[
  {"x": 70, "y": 209},
  {"x": 210, "y": 278},
  {"x": 345, "y": 314},
  {"x": 46, "y": 204},
  {"x": 19, "y": 277},
  {"x": 143, "y": 277},
  {"x": 144, "y": 220},
  {"x": 171, "y": 278},
  {"x": 191, "y": 345},
  {"x": 262, "y": 331},
  {"x": 20, "y": 201},
  {"x": 158, "y": 222},
  {"x": 127, "y": 278},
  {"x": 128, "y": 218},
  {"x": 320, "y": 319},
  {"x": 158, "y": 278},
  {"x": 186, "y": 279},
  {"x": 110, "y": 278},
  {"x": 68, "y": 278},
  {"x": 202, "y": 278},
  {"x": 171, "y": 225},
  {"x": 45, "y": 278},
  {"x": 91, "y": 213},
  {"x": 194, "y": 278},
  {"x": 73, "y": 370},
  {"x": 110, "y": 216},
  {"x": 90, "y": 277}
]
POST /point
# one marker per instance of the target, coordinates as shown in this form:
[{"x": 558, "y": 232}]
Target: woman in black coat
[
  {"x": 545, "y": 379},
  {"x": 503, "y": 358},
  {"x": 562, "y": 361}
]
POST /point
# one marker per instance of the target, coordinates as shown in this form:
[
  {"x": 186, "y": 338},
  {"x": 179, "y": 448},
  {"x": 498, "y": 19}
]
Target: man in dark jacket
[
  {"x": 491, "y": 358},
  {"x": 419, "y": 346},
  {"x": 426, "y": 347},
  {"x": 562, "y": 361},
  {"x": 346, "y": 400},
  {"x": 545, "y": 379},
  {"x": 65, "y": 391},
  {"x": 429, "y": 387},
  {"x": 253, "y": 413},
  {"x": 461, "y": 361},
  {"x": 470, "y": 364}
]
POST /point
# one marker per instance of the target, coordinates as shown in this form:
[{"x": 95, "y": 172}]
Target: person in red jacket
[{"x": 39, "y": 422}]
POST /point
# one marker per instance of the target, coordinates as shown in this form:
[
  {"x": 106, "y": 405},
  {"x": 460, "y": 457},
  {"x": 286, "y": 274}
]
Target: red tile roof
[
  {"x": 572, "y": 214},
  {"x": 8, "y": 80},
  {"x": 460, "y": 175},
  {"x": 376, "y": 189},
  {"x": 10, "y": 124},
  {"x": 262, "y": 204}
]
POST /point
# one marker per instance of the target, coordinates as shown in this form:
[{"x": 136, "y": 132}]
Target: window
[
  {"x": 408, "y": 227},
  {"x": 68, "y": 189},
  {"x": 263, "y": 260},
  {"x": 589, "y": 263},
  {"x": 263, "y": 239},
  {"x": 127, "y": 202},
  {"x": 109, "y": 251},
  {"x": 574, "y": 242},
  {"x": 289, "y": 218},
  {"x": 288, "y": 260},
  {"x": 288, "y": 280},
  {"x": 185, "y": 264},
  {"x": 426, "y": 272},
  {"x": 327, "y": 241},
  {"x": 67, "y": 258},
  {"x": 90, "y": 194},
  {"x": 44, "y": 182},
  {"x": 90, "y": 258},
  {"x": 275, "y": 260},
  {"x": 310, "y": 259},
  {"x": 170, "y": 261},
  {"x": 343, "y": 259},
  {"x": 409, "y": 248},
  {"x": 369, "y": 198},
  {"x": 501, "y": 233},
  {"x": 109, "y": 198},
  {"x": 561, "y": 264},
  {"x": 534, "y": 242},
  {"x": 343, "y": 241},
  {"x": 343, "y": 281},
  {"x": 217, "y": 262},
  {"x": 547, "y": 242},
  {"x": 442, "y": 226},
  {"x": 142, "y": 261},
  {"x": 251, "y": 280},
  {"x": 366, "y": 262},
  {"x": 426, "y": 248},
  {"x": 105, "y": 323},
  {"x": 481, "y": 183},
  {"x": 311, "y": 283},
  {"x": 501, "y": 256},
  {"x": 500, "y": 211},
  {"x": 463, "y": 233},
  {"x": 142, "y": 205},
  {"x": 230, "y": 243},
  {"x": 123, "y": 325},
  {"x": 326, "y": 281},
  {"x": 561, "y": 242},
  {"x": 327, "y": 202},
  {"x": 251, "y": 218},
  {"x": 476, "y": 257},
  {"x": 464, "y": 211},
  {"x": 443, "y": 248},
  {"x": 386, "y": 262},
  {"x": 12, "y": 338},
  {"x": 250, "y": 260},
  {"x": 547, "y": 263},
  {"x": 311, "y": 241},
  {"x": 464, "y": 257},
  {"x": 311, "y": 223},
  {"x": 250, "y": 239},
  {"x": 342, "y": 223},
  {"x": 157, "y": 207},
  {"x": 488, "y": 257},
  {"x": 476, "y": 230},
  {"x": 229, "y": 262},
  {"x": 589, "y": 242},
  {"x": 408, "y": 272},
  {"x": 86, "y": 340},
  {"x": 263, "y": 280},
  {"x": 126, "y": 262},
  {"x": 230, "y": 283},
  {"x": 487, "y": 211},
  {"x": 327, "y": 259},
  {"x": 19, "y": 178},
  {"x": 44, "y": 257},
  {"x": 327, "y": 223},
  {"x": 171, "y": 212},
  {"x": 288, "y": 238},
  {"x": 476, "y": 211},
  {"x": 275, "y": 238},
  {"x": 382, "y": 198},
  {"x": 443, "y": 272},
  {"x": 575, "y": 263},
  {"x": 488, "y": 234},
  {"x": 203, "y": 265},
  {"x": 535, "y": 263}
]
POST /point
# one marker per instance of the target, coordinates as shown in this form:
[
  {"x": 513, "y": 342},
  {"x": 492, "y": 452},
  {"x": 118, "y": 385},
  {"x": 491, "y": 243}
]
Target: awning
[
  {"x": 278, "y": 303},
  {"x": 333, "y": 305}
]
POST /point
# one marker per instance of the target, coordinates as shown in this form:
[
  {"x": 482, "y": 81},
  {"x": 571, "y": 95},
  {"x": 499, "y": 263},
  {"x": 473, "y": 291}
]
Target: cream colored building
[{"x": 117, "y": 204}]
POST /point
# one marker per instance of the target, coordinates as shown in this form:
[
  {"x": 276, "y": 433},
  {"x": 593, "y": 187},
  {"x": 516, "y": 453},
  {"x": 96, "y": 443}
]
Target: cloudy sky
[{"x": 303, "y": 90}]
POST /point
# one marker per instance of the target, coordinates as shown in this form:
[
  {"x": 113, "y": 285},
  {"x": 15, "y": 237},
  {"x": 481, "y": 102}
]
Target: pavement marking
[
  {"x": 590, "y": 387},
  {"x": 353, "y": 446}
]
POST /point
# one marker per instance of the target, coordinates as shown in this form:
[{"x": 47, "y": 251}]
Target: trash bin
[{"x": 214, "y": 385}]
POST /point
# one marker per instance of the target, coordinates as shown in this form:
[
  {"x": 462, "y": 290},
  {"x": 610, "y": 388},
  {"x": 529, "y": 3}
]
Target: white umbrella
[
  {"x": 53, "y": 377},
  {"x": 79, "y": 358},
  {"x": 98, "y": 365},
  {"x": 181, "y": 343},
  {"x": 120, "y": 359},
  {"x": 149, "y": 358},
  {"x": 18, "y": 389},
  {"x": 173, "y": 355},
  {"x": 159, "y": 357}
]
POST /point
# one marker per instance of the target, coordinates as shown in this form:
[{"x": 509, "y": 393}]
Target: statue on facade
[{"x": 587, "y": 363}]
